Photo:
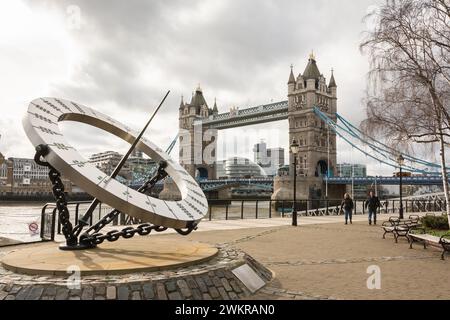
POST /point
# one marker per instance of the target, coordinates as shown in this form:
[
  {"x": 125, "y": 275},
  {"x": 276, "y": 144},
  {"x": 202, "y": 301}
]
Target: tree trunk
[{"x": 444, "y": 172}]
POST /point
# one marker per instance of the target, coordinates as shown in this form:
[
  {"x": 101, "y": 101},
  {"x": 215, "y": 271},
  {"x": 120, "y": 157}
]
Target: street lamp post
[
  {"x": 401, "y": 161},
  {"x": 294, "y": 149}
]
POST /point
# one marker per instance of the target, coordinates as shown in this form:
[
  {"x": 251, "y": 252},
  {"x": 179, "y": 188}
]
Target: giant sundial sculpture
[
  {"x": 41, "y": 124},
  {"x": 95, "y": 253}
]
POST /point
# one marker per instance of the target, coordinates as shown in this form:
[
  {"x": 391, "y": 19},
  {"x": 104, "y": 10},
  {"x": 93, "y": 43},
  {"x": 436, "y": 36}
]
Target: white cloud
[{"x": 126, "y": 54}]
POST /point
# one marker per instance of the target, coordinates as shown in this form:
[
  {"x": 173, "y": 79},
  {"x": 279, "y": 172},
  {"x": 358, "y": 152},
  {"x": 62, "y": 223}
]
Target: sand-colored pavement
[
  {"x": 323, "y": 258},
  {"x": 331, "y": 260}
]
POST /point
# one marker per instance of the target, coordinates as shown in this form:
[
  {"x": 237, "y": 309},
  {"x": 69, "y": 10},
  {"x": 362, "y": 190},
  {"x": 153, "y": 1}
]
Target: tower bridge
[
  {"x": 199, "y": 126},
  {"x": 246, "y": 117},
  {"x": 311, "y": 111}
]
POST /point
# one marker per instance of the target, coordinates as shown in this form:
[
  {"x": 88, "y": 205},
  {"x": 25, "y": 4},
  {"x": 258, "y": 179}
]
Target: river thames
[{"x": 16, "y": 220}]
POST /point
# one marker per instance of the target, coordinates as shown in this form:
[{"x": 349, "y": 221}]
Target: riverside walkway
[{"x": 320, "y": 259}]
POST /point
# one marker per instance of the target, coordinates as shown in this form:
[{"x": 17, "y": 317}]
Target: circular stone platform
[{"x": 133, "y": 255}]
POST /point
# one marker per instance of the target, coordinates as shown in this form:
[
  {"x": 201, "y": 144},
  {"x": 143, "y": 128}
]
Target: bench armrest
[
  {"x": 417, "y": 230},
  {"x": 387, "y": 224},
  {"x": 445, "y": 238}
]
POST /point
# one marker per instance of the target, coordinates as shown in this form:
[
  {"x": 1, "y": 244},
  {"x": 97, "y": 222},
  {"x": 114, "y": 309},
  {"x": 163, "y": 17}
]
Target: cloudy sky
[{"x": 120, "y": 57}]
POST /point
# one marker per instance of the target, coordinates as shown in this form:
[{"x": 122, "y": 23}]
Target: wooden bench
[
  {"x": 400, "y": 227},
  {"x": 418, "y": 235}
]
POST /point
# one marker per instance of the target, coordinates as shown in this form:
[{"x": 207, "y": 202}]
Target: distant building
[
  {"x": 107, "y": 161},
  {"x": 220, "y": 169},
  {"x": 23, "y": 177},
  {"x": 3, "y": 170},
  {"x": 349, "y": 170},
  {"x": 237, "y": 167},
  {"x": 356, "y": 171},
  {"x": 136, "y": 168},
  {"x": 269, "y": 159}
]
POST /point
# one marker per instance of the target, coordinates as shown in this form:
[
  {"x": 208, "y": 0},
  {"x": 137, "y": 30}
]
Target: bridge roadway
[
  {"x": 208, "y": 185},
  {"x": 267, "y": 183},
  {"x": 245, "y": 117}
]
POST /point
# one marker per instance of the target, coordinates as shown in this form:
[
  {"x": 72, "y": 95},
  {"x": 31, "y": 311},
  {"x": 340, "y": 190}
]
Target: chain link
[
  {"x": 96, "y": 238},
  {"x": 60, "y": 196}
]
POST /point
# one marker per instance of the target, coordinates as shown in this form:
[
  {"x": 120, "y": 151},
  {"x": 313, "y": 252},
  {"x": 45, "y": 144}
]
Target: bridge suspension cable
[{"x": 379, "y": 151}]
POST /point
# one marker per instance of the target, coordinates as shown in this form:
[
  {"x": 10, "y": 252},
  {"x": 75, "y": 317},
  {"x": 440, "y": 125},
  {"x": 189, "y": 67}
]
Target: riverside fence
[{"x": 240, "y": 209}]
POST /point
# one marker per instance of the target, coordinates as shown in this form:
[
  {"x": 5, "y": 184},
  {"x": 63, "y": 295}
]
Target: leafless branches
[{"x": 409, "y": 82}]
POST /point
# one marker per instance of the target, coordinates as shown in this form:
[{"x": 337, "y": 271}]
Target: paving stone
[
  {"x": 220, "y": 273},
  {"x": 136, "y": 295},
  {"x": 233, "y": 296},
  {"x": 10, "y": 297},
  {"x": 111, "y": 293},
  {"x": 75, "y": 292},
  {"x": 223, "y": 293},
  {"x": 206, "y": 296},
  {"x": 74, "y": 298},
  {"x": 148, "y": 291},
  {"x": 22, "y": 294},
  {"x": 235, "y": 286},
  {"x": 214, "y": 293},
  {"x": 50, "y": 291},
  {"x": 62, "y": 294},
  {"x": 226, "y": 284},
  {"x": 88, "y": 293},
  {"x": 242, "y": 295},
  {"x": 123, "y": 293},
  {"x": 191, "y": 283},
  {"x": 9, "y": 286},
  {"x": 99, "y": 298},
  {"x": 136, "y": 287},
  {"x": 35, "y": 293},
  {"x": 47, "y": 298},
  {"x": 161, "y": 291},
  {"x": 185, "y": 291},
  {"x": 216, "y": 281},
  {"x": 207, "y": 281},
  {"x": 175, "y": 296},
  {"x": 201, "y": 284},
  {"x": 3, "y": 295},
  {"x": 196, "y": 294},
  {"x": 100, "y": 290},
  {"x": 171, "y": 286}
]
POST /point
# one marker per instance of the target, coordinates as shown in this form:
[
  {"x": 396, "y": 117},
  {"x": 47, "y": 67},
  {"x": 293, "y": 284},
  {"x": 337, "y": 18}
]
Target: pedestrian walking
[
  {"x": 373, "y": 203},
  {"x": 347, "y": 205}
]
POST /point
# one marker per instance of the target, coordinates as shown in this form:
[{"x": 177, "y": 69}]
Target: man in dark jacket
[
  {"x": 373, "y": 203},
  {"x": 347, "y": 205}
]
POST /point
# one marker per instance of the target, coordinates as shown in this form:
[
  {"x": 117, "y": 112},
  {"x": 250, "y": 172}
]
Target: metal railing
[
  {"x": 234, "y": 209},
  {"x": 257, "y": 208},
  {"x": 50, "y": 223}
]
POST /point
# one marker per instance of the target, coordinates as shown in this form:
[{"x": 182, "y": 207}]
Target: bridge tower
[
  {"x": 316, "y": 157},
  {"x": 197, "y": 144}
]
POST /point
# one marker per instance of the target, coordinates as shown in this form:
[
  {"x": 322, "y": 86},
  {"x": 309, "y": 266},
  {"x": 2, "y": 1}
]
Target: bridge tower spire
[
  {"x": 317, "y": 155},
  {"x": 197, "y": 147}
]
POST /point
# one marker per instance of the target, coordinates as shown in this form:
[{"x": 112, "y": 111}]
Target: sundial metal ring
[{"x": 41, "y": 124}]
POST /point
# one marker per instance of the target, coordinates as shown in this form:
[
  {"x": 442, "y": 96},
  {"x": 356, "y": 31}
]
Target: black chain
[
  {"x": 58, "y": 193},
  {"x": 126, "y": 233},
  {"x": 95, "y": 238},
  {"x": 88, "y": 238}
]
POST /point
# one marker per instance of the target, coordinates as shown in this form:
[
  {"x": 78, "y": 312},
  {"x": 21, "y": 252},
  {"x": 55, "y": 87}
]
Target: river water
[{"x": 18, "y": 221}]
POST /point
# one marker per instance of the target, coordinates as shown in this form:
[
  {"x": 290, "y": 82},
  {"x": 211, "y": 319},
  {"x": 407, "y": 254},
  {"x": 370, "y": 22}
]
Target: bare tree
[{"x": 409, "y": 82}]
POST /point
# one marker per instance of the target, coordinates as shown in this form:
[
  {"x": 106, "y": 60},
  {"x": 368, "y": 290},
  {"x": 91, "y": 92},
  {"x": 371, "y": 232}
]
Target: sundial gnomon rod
[{"x": 84, "y": 220}]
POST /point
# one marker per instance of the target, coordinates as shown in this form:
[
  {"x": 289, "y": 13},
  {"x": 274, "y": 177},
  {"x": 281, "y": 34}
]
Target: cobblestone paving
[{"x": 212, "y": 280}]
